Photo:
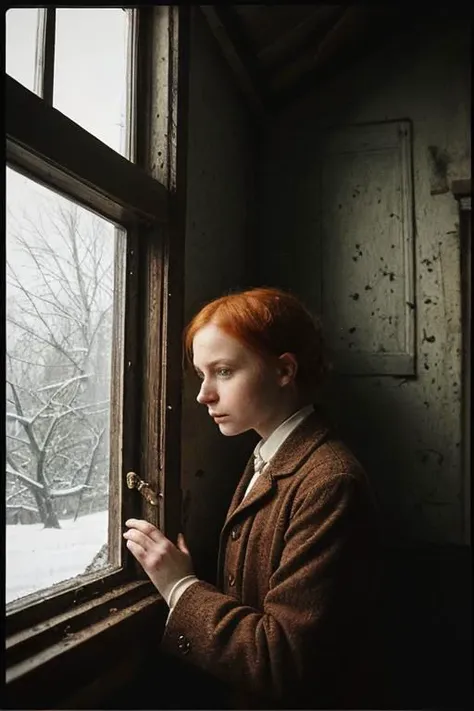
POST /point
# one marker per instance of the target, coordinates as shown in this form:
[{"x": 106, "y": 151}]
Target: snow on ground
[{"x": 38, "y": 557}]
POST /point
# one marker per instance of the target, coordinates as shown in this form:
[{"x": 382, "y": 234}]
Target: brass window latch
[{"x": 134, "y": 482}]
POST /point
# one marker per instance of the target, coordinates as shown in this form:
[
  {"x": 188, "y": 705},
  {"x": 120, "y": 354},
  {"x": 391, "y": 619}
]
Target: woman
[{"x": 289, "y": 622}]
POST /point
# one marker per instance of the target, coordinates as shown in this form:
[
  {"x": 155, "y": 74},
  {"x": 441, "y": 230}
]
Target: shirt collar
[{"x": 268, "y": 448}]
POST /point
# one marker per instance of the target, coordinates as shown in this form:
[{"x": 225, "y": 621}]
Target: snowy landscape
[
  {"x": 38, "y": 557},
  {"x": 60, "y": 313}
]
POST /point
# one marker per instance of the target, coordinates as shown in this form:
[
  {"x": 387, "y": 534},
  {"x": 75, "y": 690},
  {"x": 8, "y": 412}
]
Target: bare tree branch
[
  {"x": 16, "y": 493},
  {"x": 64, "y": 384},
  {"x": 44, "y": 340},
  {"x": 91, "y": 468},
  {"x": 57, "y": 493},
  {"x": 18, "y": 439},
  {"x": 31, "y": 482}
]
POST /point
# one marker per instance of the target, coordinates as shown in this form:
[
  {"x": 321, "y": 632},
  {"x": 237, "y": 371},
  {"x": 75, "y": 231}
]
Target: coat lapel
[
  {"x": 299, "y": 445},
  {"x": 260, "y": 489}
]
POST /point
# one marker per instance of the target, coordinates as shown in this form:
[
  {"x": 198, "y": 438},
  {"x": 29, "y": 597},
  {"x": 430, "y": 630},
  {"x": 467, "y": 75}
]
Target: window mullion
[
  {"x": 168, "y": 38},
  {"x": 45, "y": 47},
  {"x": 131, "y": 103},
  {"x": 48, "y": 71},
  {"x": 40, "y": 51}
]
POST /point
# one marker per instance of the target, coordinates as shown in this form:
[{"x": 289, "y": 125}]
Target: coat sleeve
[{"x": 313, "y": 598}]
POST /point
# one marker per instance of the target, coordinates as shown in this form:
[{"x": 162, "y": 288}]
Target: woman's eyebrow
[{"x": 215, "y": 362}]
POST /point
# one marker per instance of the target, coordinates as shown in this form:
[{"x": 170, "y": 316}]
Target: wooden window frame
[
  {"x": 52, "y": 644},
  {"x": 45, "y": 49}
]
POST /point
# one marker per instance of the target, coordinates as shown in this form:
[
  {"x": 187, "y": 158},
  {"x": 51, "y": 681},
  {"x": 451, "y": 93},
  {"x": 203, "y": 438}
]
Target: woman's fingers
[
  {"x": 146, "y": 528},
  {"x": 137, "y": 551},
  {"x": 139, "y": 538},
  {"x": 182, "y": 544},
  {"x": 162, "y": 561}
]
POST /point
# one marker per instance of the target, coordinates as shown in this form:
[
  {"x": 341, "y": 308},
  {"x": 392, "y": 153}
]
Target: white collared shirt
[{"x": 269, "y": 447}]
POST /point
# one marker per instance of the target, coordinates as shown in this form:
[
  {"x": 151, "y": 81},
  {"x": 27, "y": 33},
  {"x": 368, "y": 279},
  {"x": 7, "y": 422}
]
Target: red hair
[{"x": 270, "y": 322}]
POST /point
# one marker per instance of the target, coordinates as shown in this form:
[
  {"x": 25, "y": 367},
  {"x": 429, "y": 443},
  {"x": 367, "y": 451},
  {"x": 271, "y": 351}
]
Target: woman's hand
[{"x": 163, "y": 562}]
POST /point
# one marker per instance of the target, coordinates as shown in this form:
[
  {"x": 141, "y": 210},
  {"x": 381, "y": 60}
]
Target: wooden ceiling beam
[
  {"x": 359, "y": 32},
  {"x": 297, "y": 35},
  {"x": 341, "y": 33},
  {"x": 225, "y": 28}
]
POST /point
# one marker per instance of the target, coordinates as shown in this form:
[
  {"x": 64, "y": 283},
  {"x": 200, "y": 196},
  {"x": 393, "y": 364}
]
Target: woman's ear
[{"x": 287, "y": 368}]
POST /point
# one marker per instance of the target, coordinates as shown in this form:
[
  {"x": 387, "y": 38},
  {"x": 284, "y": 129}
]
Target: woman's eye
[{"x": 224, "y": 372}]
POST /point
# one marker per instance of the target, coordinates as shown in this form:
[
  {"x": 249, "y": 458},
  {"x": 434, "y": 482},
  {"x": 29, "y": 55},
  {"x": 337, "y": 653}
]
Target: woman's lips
[{"x": 218, "y": 417}]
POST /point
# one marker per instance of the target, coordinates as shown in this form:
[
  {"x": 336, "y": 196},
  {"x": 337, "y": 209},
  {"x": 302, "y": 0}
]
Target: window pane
[
  {"x": 91, "y": 71},
  {"x": 60, "y": 294},
  {"x": 21, "y": 26}
]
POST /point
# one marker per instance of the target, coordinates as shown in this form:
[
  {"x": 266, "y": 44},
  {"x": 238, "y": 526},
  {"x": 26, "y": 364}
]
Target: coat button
[
  {"x": 184, "y": 645},
  {"x": 231, "y": 580},
  {"x": 235, "y": 533}
]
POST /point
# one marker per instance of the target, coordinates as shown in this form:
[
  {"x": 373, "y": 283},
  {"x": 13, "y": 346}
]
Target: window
[
  {"x": 94, "y": 229},
  {"x": 80, "y": 60},
  {"x": 65, "y": 313},
  {"x": 62, "y": 286}
]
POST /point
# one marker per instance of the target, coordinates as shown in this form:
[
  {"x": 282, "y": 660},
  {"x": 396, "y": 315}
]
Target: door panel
[{"x": 367, "y": 251}]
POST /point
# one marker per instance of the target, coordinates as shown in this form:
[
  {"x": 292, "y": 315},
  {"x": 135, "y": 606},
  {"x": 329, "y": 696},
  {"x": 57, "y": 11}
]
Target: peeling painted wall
[
  {"x": 218, "y": 233},
  {"x": 407, "y": 431}
]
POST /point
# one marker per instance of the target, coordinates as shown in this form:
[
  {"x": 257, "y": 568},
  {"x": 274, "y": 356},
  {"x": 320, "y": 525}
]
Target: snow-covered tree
[{"x": 60, "y": 291}]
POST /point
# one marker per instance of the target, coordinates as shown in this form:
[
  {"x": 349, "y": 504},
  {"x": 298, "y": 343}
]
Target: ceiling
[{"x": 278, "y": 51}]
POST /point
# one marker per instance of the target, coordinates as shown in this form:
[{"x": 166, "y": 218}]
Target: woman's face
[{"x": 240, "y": 390}]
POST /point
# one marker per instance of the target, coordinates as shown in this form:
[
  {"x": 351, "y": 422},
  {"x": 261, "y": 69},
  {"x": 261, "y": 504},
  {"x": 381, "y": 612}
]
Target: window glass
[
  {"x": 60, "y": 302},
  {"x": 91, "y": 72},
  {"x": 21, "y": 27}
]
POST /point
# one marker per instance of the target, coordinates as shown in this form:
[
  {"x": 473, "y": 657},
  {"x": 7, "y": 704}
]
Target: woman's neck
[{"x": 287, "y": 410}]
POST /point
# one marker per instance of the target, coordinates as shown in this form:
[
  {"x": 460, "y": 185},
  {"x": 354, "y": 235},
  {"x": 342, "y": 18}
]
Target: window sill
[{"x": 52, "y": 661}]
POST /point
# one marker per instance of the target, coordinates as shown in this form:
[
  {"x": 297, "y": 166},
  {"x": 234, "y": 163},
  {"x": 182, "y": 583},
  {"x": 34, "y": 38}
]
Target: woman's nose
[{"x": 206, "y": 394}]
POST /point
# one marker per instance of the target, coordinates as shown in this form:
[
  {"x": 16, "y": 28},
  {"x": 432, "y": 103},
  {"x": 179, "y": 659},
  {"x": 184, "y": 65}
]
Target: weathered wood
[
  {"x": 152, "y": 258},
  {"x": 33, "y": 609},
  {"x": 165, "y": 262},
  {"x": 174, "y": 284},
  {"x": 224, "y": 28},
  {"x": 28, "y": 642},
  {"x": 126, "y": 386},
  {"x": 55, "y": 674}
]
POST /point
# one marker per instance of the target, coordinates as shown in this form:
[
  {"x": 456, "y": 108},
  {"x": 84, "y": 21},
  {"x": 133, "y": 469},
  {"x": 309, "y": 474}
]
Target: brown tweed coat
[{"x": 289, "y": 624}]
